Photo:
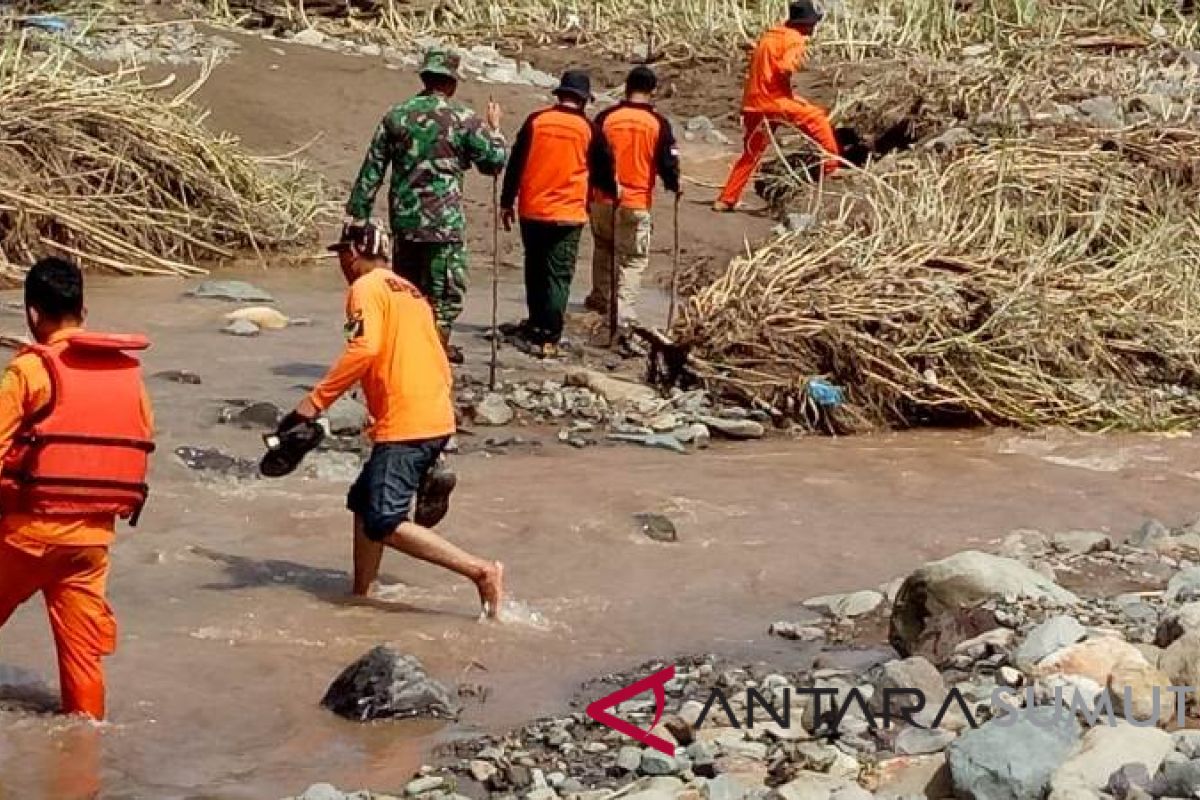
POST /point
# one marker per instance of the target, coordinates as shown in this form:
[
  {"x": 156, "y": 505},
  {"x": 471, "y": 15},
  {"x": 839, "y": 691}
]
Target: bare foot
[{"x": 491, "y": 589}]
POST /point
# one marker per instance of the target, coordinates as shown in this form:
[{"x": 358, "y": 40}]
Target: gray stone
[
  {"x": 1011, "y": 759},
  {"x": 1122, "y": 782},
  {"x": 1150, "y": 532},
  {"x": 800, "y": 223},
  {"x": 629, "y": 759},
  {"x": 851, "y": 792},
  {"x": 235, "y": 291},
  {"x": 794, "y": 632},
  {"x": 659, "y": 441},
  {"x": 855, "y": 604},
  {"x": 655, "y": 763},
  {"x": 1101, "y": 111},
  {"x": 481, "y": 771},
  {"x": 737, "y": 429},
  {"x": 922, "y": 741},
  {"x": 384, "y": 684},
  {"x": 960, "y": 582},
  {"x": 493, "y": 410},
  {"x": 1049, "y": 637},
  {"x": 255, "y": 415},
  {"x": 241, "y": 327},
  {"x": 695, "y": 434},
  {"x": 321, "y": 791},
  {"x": 179, "y": 376},
  {"x": 347, "y": 417},
  {"x": 208, "y": 459},
  {"x": 952, "y": 139},
  {"x": 1187, "y": 742},
  {"x": 810, "y": 786},
  {"x": 656, "y": 527},
  {"x": 422, "y": 785},
  {"x": 1176, "y": 624},
  {"x": 724, "y": 787},
  {"x": 1104, "y": 748},
  {"x": 699, "y": 125},
  {"x": 911, "y": 673},
  {"x": 1081, "y": 542},
  {"x": 1178, "y": 779},
  {"x": 1184, "y": 586},
  {"x": 715, "y": 137}
]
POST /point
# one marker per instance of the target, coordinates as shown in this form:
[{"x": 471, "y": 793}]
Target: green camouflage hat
[{"x": 441, "y": 62}]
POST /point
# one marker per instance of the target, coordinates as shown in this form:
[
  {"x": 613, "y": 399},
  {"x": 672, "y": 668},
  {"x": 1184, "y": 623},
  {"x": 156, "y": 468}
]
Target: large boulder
[
  {"x": 385, "y": 684},
  {"x": 1173, "y": 626},
  {"x": 962, "y": 581},
  {"x": 1047, "y": 638},
  {"x": 1012, "y": 758},
  {"x": 1112, "y": 662},
  {"x": 1181, "y": 663},
  {"x": 1105, "y": 749},
  {"x": 913, "y": 673}
]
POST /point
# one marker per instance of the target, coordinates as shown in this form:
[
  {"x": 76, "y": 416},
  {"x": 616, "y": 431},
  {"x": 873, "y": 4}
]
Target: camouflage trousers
[{"x": 439, "y": 270}]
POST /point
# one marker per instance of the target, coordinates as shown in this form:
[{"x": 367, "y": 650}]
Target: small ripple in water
[{"x": 515, "y": 612}]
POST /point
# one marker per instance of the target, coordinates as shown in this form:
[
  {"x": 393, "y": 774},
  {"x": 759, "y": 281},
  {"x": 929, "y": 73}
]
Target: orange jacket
[
  {"x": 778, "y": 54},
  {"x": 643, "y": 147},
  {"x": 26, "y": 391},
  {"x": 394, "y": 349},
  {"x": 559, "y": 154}
]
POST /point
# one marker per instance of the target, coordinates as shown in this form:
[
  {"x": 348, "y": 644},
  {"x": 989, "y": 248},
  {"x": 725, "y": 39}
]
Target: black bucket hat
[
  {"x": 575, "y": 82},
  {"x": 803, "y": 12}
]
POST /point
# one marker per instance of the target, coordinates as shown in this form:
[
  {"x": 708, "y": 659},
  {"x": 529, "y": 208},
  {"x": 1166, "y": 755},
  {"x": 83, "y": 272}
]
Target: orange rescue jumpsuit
[
  {"x": 768, "y": 102},
  {"x": 63, "y": 557}
]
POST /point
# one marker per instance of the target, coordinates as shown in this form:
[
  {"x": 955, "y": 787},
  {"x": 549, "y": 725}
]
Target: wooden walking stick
[
  {"x": 674, "y": 268},
  {"x": 495, "y": 280},
  {"x": 614, "y": 284}
]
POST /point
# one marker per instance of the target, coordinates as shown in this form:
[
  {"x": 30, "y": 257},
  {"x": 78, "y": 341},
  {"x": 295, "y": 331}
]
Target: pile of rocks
[{"x": 1030, "y": 690}]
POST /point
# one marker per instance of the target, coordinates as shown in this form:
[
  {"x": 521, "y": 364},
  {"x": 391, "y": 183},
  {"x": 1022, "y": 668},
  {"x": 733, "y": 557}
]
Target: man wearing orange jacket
[
  {"x": 768, "y": 102},
  {"x": 75, "y": 437},
  {"x": 644, "y": 150},
  {"x": 394, "y": 350},
  {"x": 559, "y": 157}
]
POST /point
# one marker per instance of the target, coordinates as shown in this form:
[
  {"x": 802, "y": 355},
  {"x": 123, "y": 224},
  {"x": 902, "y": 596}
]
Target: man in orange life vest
[
  {"x": 558, "y": 158},
  {"x": 767, "y": 100},
  {"x": 394, "y": 350},
  {"x": 75, "y": 434},
  {"x": 644, "y": 150}
]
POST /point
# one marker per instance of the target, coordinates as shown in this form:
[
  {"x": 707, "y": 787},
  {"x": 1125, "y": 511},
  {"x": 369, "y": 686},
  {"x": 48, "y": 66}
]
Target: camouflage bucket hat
[{"x": 441, "y": 62}]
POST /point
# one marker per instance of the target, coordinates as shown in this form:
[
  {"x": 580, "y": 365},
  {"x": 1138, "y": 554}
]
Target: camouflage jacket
[{"x": 428, "y": 141}]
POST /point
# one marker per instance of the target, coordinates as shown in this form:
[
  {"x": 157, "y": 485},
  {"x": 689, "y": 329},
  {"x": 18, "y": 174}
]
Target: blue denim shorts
[{"x": 384, "y": 492}]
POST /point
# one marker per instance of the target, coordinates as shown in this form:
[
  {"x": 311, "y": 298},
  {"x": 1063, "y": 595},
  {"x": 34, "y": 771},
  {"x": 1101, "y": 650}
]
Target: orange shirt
[
  {"x": 559, "y": 154},
  {"x": 394, "y": 350},
  {"x": 778, "y": 54},
  {"x": 643, "y": 147},
  {"x": 25, "y": 390}
]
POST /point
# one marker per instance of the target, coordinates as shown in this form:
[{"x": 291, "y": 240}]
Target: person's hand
[
  {"x": 679, "y": 193},
  {"x": 306, "y": 411},
  {"x": 508, "y": 217},
  {"x": 493, "y": 115}
]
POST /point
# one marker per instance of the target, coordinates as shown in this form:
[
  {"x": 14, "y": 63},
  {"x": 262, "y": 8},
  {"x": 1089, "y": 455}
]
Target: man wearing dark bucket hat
[
  {"x": 393, "y": 350},
  {"x": 768, "y": 102},
  {"x": 429, "y": 141},
  {"x": 559, "y": 157}
]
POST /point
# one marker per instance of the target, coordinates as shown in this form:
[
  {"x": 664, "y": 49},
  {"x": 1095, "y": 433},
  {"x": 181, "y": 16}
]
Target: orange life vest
[{"x": 87, "y": 452}]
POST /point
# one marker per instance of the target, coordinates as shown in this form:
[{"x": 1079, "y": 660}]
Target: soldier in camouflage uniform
[{"x": 429, "y": 141}]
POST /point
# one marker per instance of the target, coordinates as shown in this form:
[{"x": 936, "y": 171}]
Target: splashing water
[{"x": 515, "y": 612}]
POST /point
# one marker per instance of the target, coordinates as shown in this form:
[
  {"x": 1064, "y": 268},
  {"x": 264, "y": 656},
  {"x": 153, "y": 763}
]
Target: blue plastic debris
[
  {"x": 47, "y": 22},
  {"x": 825, "y": 394}
]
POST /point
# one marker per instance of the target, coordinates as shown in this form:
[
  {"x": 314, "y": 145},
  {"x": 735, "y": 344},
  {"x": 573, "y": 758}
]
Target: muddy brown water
[{"x": 230, "y": 595}]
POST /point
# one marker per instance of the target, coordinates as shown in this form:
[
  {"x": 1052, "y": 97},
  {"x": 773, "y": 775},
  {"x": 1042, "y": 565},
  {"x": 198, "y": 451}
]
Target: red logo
[{"x": 657, "y": 682}]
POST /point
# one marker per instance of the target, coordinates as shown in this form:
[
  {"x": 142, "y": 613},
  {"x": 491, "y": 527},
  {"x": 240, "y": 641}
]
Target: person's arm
[
  {"x": 602, "y": 170},
  {"x": 21, "y": 394},
  {"x": 666, "y": 155},
  {"x": 364, "y": 335},
  {"x": 371, "y": 173},
  {"x": 516, "y": 166},
  {"x": 483, "y": 145}
]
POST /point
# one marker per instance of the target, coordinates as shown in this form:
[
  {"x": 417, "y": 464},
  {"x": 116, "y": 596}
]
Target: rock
[
  {"x": 347, "y": 417},
  {"x": 1157, "y": 105},
  {"x": 851, "y": 792},
  {"x": 1124, "y": 780},
  {"x": 794, "y": 632},
  {"x": 236, "y": 291},
  {"x": 264, "y": 317},
  {"x": 241, "y": 327},
  {"x": 179, "y": 376},
  {"x": 1010, "y": 677},
  {"x": 800, "y": 223},
  {"x": 1187, "y": 743},
  {"x": 1177, "y": 623},
  {"x": 1178, "y": 779},
  {"x": 493, "y": 410},
  {"x": 1150, "y": 532},
  {"x": 1101, "y": 111},
  {"x": 911, "y": 673},
  {"x": 619, "y": 393},
  {"x": 855, "y": 604},
  {"x": 656, "y": 763},
  {"x": 1109, "y": 661},
  {"x": 481, "y": 771},
  {"x": 699, "y": 125},
  {"x": 310, "y": 37},
  {"x": 682, "y": 731},
  {"x": 207, "y": 459},
  {"x": 1181, "y": 664},
  {"x": 1011, "y": 759},
  {"x": 1024, "y": 545},
  {"x": 920, "y": 742},
  {"x": 322, "y": 791},
  {"x": 255, "y": 415},
  {"x": 959, "y": 582},
  {"x": 1104, "y": 748},
  {"x": 660, "y": 441},
  {"x": 384, "y": 684},
  {"x": 1184, "y": 586},
  {"x": 1080, "y": 543},
  {"x": 810, "y": 786},
  {"x": 947, "y": 631},
  {"x": 913, "y": 777},
  {"x": 952, "y": 139},
  {"x": 737, "y": 429},
  {"x": 1047, "y": 638},
  {"x": 656, "y": 527},
  {"x": 629, "y": 759},
  {"x": 695, "y": 434},
  {"x": 422, "y": 785},
  {"x": 724, "y": 787},
  {"x": 1185, "y": 545}
]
